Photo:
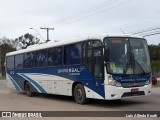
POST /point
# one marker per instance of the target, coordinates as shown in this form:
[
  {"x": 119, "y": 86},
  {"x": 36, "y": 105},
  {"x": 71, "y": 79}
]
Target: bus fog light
[{"x": 112, "y": 95}]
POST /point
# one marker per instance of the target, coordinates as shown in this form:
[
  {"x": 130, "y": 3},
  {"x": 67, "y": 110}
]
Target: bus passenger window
[
  {"x": 55, "y": 56},
  {"x": 19, "y": 61},
  {"x": 29, "y": 60},
  {"x": 41, "y": 58},
  {"x": 10, "y": 62},
  {"x": 73, "y": 54}
]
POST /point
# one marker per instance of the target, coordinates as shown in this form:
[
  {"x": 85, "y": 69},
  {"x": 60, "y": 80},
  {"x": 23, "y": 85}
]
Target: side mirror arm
[{"x": 106, "y": 54}]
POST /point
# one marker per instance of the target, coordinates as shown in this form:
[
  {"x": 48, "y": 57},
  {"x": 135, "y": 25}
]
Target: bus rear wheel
[
  {"x": 79, "y": 94},
  {"x": 28, "y": 89}
]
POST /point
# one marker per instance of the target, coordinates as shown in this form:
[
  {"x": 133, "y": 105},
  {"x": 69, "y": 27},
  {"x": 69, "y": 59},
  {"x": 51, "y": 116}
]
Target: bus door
[
  {"x": 98, "y": 70},
  {"x": 98, "y": 63},
  {"x": 94, "y": 62}
]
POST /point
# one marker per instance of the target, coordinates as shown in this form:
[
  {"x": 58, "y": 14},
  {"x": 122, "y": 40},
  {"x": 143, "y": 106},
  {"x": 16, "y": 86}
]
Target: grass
[
  {"x": 2, "y": 77},
  {"x": 158, "y": 84}
]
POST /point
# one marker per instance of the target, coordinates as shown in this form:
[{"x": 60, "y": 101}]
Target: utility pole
[{"x": 47, "y": 32}]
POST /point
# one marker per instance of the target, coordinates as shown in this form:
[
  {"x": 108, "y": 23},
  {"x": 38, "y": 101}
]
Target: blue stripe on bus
[
  {"x": 84, "y": 76},
  {"x": 15, "y": 83},
  {"x": 32, "y": 81}
]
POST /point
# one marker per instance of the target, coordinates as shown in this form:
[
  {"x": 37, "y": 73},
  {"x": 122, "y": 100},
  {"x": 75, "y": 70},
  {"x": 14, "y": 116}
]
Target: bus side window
[
  {"x": 29, "y": 60},
  {"x": 19, "y": 61},
  {"x": 41, "y": 58},
  {"x": 10, "y": 62},
  {"x": 55, "y": 56},
  {"x": 73, "y": 54}
]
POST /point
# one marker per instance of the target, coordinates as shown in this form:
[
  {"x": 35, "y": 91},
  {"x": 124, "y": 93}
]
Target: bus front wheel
[
  {"x": 79, "y": 94},
  {"x": 28, "y": 89}
]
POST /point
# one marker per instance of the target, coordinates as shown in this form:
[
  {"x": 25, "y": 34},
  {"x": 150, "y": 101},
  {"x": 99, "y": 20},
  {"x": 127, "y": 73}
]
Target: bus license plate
[{"x": 135, "y": 90}]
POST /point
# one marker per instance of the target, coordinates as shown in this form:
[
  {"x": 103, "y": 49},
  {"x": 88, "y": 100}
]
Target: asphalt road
[{"x": 13, "y": 101}]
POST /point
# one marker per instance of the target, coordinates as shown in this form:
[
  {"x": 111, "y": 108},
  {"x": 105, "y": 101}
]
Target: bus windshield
[{"x": 127, "y": 55}]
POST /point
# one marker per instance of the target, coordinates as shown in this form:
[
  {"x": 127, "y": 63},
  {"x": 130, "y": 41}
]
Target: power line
[
  {"x": 134, "y": 23},
  {"x": 145, "y": 31},
  {"x": 151, "y": 34},
  {"x": 97, "y": 12},
  {"x": 86, "y": 11}
]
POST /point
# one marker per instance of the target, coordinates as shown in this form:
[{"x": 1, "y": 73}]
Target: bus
[{"x": 98, "y": 67}]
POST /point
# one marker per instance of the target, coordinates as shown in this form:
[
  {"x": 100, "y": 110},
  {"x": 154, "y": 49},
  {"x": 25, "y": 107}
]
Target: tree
[
  {"x": 155, "y": 53},
  {"x": 26, "y": 40},
  {"x": 6, "y": 45}
]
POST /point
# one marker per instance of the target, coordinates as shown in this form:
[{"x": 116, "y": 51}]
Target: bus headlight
[
  {"x": 114, "y": 83},
  {"x": 147, "y": 82}
]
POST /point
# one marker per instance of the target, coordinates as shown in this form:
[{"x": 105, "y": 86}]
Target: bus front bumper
[{"x": 113, "y": 92}]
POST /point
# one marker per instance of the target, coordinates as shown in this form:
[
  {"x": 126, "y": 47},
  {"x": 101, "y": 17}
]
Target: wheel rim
[{"x": 79, "y": 94}]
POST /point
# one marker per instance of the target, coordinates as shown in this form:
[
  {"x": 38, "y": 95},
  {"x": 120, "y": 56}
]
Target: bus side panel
[
  {"x": 67, "y": 87},
  {"x": 10, "y": 83},
  {"x": 59, "y": 80},
  {"x": 16, "y": 82}
]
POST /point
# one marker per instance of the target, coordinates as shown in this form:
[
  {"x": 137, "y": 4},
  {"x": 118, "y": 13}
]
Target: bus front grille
[
  {"x": 135, "y": 84},
  {"x": 129, "y": 94}
]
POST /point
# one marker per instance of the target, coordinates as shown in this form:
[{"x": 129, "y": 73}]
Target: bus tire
[
  {"x": 79, "y": 94},
  {"x": 28, "y": 89}
]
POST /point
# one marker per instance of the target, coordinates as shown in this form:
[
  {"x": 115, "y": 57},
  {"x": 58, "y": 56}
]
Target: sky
[{"x": 74, "y": 18}]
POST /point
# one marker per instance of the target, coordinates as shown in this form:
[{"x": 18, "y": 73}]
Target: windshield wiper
[
  {"x": 125, "y": 69},
  {"x": 135, "y": 61},
  {"x": 132, "y": 64}
]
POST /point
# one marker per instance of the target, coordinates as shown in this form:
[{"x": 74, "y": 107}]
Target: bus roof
[{"x": 62, "y": 42}]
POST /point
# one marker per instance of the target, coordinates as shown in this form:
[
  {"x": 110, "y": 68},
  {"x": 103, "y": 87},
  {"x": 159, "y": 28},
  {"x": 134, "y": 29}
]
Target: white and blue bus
[{"x": 99, "y": 67}]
